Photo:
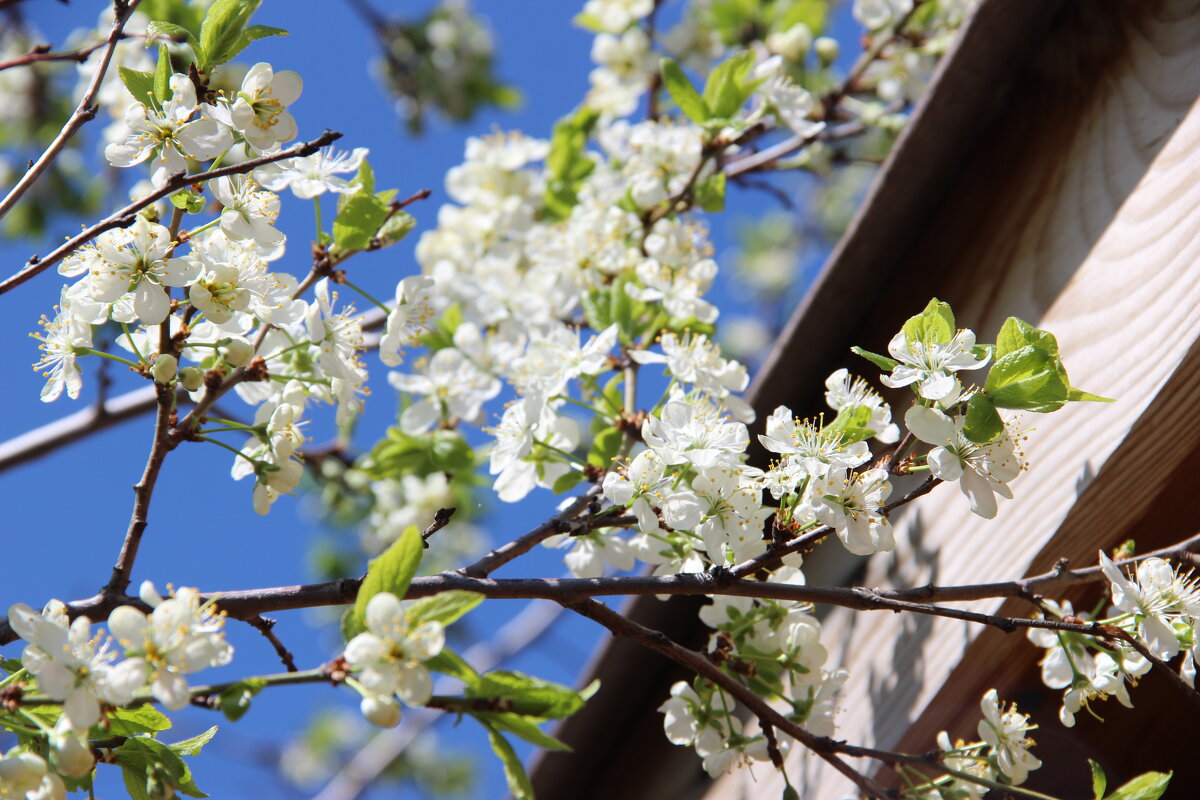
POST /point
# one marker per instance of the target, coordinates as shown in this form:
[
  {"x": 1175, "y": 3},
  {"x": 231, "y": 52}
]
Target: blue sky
[{"x": 65, "y": 514}]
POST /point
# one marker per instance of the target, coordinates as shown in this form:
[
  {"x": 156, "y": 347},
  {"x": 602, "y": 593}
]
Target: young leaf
[
  {"x": 358, "y": 219},
  {"x": 683, "y": 92},
  {"x": 514, "y": 770},
  {"x": 530, "y": 697},
  {"x": 178, "y": 33},
  {"x": 710, "y": 193},
  {"x": 140, "y": 719},
  {"x": 604, "y": 448},
  {"x": 222, "y": 29},
  {"x": 234, "y": 700},
  {"x": 446, "y": 608},
  {"x": 1147, "y": 786},
  {"x": 1076, "y": 395},
  {"x": 983, "y": 423},
  {"x": 391, "y": 571},
  {"x": 162, "y": 75},
  {"x": 193, "y": 746},
  {"x": 451, "y": 663},
  {"x": 1029, "y": 379},
  {"x": 567, "y": 481},
  {"x": 883, "y": 362},
  {"x": 1099, "y": 781},
  {"x": 935, "y": 324},
  {"x": 853, "y": 423},
  {"x": 1016, "y": 333},
  {"x": 726, "y": 91},
  {"x": 521, "y": 726},
  {"x": 140, "y": 84}
]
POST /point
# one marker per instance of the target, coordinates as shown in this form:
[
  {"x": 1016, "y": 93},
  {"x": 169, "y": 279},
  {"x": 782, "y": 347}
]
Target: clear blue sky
[{"x": 65, "y": 514}]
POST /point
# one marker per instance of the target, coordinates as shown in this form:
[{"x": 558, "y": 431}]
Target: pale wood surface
[{"x": 1085, "y": 219}]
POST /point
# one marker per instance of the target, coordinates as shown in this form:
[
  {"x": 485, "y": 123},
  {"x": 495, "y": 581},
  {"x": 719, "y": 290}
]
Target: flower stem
[{"x": 364, "y": 294}]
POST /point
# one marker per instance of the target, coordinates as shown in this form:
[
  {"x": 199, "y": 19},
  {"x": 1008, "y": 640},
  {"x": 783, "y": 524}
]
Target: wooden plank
[{"x": 1082, "y": 214}]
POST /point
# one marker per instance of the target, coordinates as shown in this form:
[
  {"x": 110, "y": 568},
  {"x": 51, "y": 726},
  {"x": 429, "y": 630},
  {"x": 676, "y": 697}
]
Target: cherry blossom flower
[
  {"x": 259, "y": 111},
  {"x": 135, "y": 262},
  {"x": 313, "y": 176},
  {"x": 389, "y": 654},
  {"x": 59, "y": 339},
  {"x": 850, "y": 504},
  {"x": 1004, "y": 731},
  {"x": 1156, "y": 598},
  {"x": 931, "y": 365}
]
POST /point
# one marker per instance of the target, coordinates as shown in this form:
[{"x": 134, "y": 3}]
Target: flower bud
[
  {"x": 164, "y": 368},
  {"x": 827, "y": 50},
  {"x": 238, "y": 352},
  {"x": 793, "y": 43},
  {"x": 380, "y": 710},
  {"x": 192, "y": 378},
  {"x": 72, "y": 757}
]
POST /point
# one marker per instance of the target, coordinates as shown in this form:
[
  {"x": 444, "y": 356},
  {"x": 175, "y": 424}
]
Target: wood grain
[{"x": 1081, "y": 213}]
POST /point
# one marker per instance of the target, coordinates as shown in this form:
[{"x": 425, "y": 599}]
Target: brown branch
[
  {"x": 559, "y": 523},
  {"x": 126, "y": 216},
  {"x": 441, "y": 518},
  {"x": 84, "y": 112},
  {"x": 42, "y": 53},
  {"x": 267, "y": 628},
  {"x": 824, "y": 747}
]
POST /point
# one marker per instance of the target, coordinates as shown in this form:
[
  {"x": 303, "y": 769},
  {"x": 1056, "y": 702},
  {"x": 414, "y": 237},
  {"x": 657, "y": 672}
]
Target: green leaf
[
  {"x": 1099, "y": 781},
  {"x": 11, "y": 665},
  {"x": 1016, "y": 333},
  {"x": 234, "y": 700},
  {"x": 1147, "y": 786},
  {"x": 1029, "y": 379},
  {"x": 710, "y": 193},
  {"x": 812, "y": 13},
  {"x": 162, "y": 75},
  {"x": 189, "y": 201},
  {"x": 170, "y": 30},
  {"x": 1076, "y": 395},
  {"x": 395, "y": 228},
  {"x": 933, "y": 325},
  {"x": 567, "y": 481},
  {"x": 451, "y": 663},
  {"x": 853, "y": 423},
  {"x": 140, "y": 719},
  {"x": 567, "y": 163},
  {"x": 683, "y": 92},
  {"x": 151, "y": 769},
  {"x": 193, "y": 746},
  {"x": 391, "y": 571},
  {"x": 222, "y": 30},
  {"x": 529, "y": 696},
  {"x": 726, "y": 90},
  {"x": 597, "y": 305},
  {"x": 357, "y": 221},
  {"x": 521, "y": 726},
  {"x": 983, "y": 423},
  {"x": 140, "y": 85},
  {"x": 514, "y": 770},
  {"x": 446, "y": 608},
  {"x": 883, "y": 362},
  {"x": 605, "y": 447}
]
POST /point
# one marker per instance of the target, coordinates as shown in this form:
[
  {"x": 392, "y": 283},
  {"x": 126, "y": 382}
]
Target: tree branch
[
  {"x": 126, "y": 215},
  {"x": 85, "y": 111}
]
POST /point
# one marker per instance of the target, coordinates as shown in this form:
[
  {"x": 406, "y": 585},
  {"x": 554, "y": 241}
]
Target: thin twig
[
  {"x": 441, "y": 518},
  {"x": 42, "y": 53},
  {"x": 267, "y": 628},
  {"x": 126, "y": 215},
  {"x": 85, "y": 111}
]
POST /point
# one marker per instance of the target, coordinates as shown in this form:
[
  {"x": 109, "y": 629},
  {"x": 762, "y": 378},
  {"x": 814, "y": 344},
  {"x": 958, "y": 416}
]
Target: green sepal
[
  {"x": 983, "y": 423},
  {"x": 391, "y": 571},
  {"x": 680, "y": 87},
  {"x": 883, "y": 362},
  {"x": 934, "y": 325},
  {"x": 446, "y": 608}
]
